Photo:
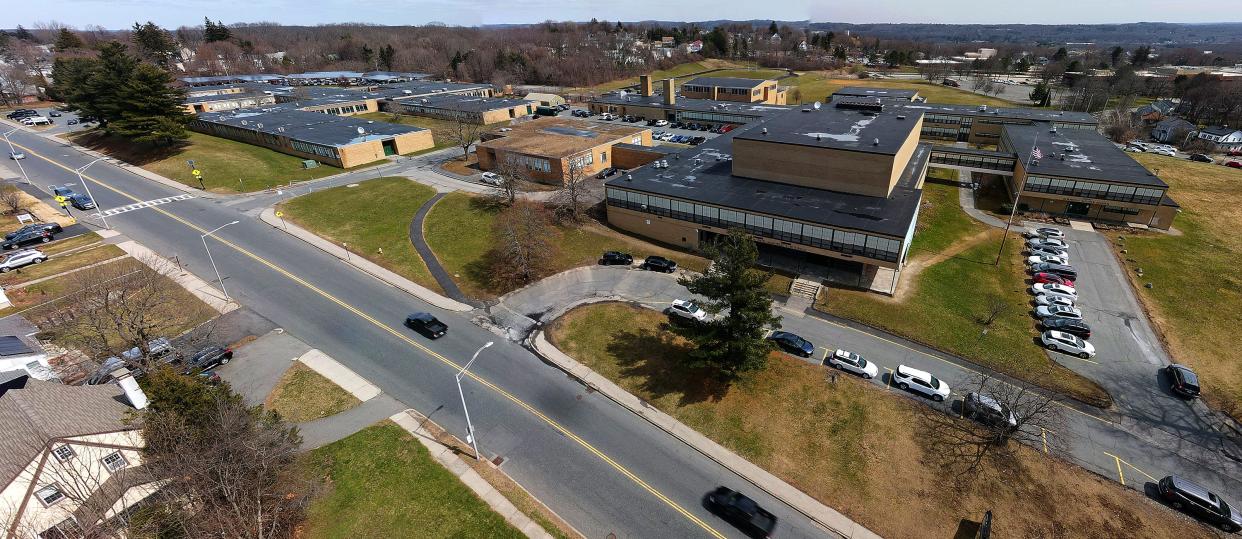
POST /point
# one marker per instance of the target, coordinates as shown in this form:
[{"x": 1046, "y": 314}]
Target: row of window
[
  {"x": 346, "y": 109},
  {"x": 533, "y": 163},
  {"x": 973, "y": 161},
  {"x": 947, "y": 119},
  {"x": 584, "y": 161},
  {"x": 238, "y": 133},
  {"x": 717, "y": 117},
  {"x": 855, "y": 243},
  {"x": 1086, "y": 189},
  {"x": 317, "y": 149},
  {"x": 52, "y": 494},
  {"x": 437, "y": 112},
  {"x": 947, "y": 133}
]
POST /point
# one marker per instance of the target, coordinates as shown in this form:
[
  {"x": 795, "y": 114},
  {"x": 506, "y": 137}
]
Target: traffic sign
[
  {"x": 196, "y": 172},
  {"x": 280, "y": 214},
  {"x": 61, "y": 199}
]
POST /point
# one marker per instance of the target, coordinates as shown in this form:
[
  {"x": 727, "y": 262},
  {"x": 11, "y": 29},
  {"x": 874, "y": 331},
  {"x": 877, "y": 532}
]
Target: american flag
[{"x": 1036, "y": 154}]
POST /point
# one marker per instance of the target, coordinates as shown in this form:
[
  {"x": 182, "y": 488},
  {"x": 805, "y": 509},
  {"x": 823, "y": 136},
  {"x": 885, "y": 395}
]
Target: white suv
[
  {"x": 921, "y": 382},
  {"x": 849, "y": 361},
  {"x": 687, "y": 309},
  {"x": 1064, "y": 342},
  {"x": 21, "y": 258}
]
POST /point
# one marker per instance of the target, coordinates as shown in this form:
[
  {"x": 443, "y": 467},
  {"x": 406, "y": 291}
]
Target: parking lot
[
  {"x": 60, "y": 124},
  {"x": 689, "y": 133}
]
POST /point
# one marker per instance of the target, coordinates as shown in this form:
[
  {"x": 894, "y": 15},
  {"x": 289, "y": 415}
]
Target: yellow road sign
[
  {"x": 196, "y": 172},
  {"x": 61, "y": 199},
  {"x": 280, "y": 214}
]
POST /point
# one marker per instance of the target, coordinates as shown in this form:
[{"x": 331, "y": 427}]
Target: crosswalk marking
[{"x": 144, "y": 204}]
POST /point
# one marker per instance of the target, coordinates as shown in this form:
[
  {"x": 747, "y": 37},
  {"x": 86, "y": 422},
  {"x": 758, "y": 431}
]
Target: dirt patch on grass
[
  {"x": 456, "y": 165},
  {"x": 303, "y": 395},
  {"x": 851, "y": 444}
]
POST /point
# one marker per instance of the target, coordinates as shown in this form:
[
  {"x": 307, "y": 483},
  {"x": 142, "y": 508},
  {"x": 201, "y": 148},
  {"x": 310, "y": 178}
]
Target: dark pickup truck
[{"x": 743, "y": 512}]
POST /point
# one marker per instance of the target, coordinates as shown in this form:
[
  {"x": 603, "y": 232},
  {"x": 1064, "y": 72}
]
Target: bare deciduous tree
[
  {"x": 464, "y": 131},
  {"x": 525, "y": 245},
  {"x": 11, "y": 199},
  {"x": 569, "y": 203},
  {"x": 976, "y": 438},
  {"x": 996, "y": 307},
  {"x": 512, "y": 176}
]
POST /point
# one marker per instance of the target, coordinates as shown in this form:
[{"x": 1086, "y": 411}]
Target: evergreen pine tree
[
  {"x": 67, "y": 40},
  {"x": 153, "y": 113}
]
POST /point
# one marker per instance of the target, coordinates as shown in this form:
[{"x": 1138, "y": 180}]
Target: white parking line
[{"x": 144, "y": 204}]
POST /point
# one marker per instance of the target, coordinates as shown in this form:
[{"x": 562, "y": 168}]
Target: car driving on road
[
  {"x": 426, "y": 324},
  {"x": 740, "y": 511},
  {"x": 1058, "y": 341},
  {"x": 792, "y": 343},
  {"x": 910, "y": 379},
  {"x": 849, "y": 361}
]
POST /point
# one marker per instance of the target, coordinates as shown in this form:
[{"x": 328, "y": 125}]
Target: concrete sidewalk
[
  {"x": 800, "y": 501},
  {"x": 339, "y": 374},
  {"x": 269, "y": 216},
  {"x": 200, "y": 288}
]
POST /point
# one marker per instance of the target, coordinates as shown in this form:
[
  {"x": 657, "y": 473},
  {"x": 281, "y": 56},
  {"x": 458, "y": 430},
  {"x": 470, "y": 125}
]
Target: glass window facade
[
  {"x": 718, "y": 117},
  {"x": 971, "y": 160},
  {"x": 316, "y": 149},
  {"x": 1088, "y": 189},
  {"x": 853, "y": 243},
  {"x": 532, "y": 163}
]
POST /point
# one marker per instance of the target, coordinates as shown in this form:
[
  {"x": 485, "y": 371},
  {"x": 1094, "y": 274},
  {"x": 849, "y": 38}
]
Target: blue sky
[{"x": 174, "y": 13}]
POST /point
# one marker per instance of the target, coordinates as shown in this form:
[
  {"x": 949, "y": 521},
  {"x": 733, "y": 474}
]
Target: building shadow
[{"x": 661, "y": 366}]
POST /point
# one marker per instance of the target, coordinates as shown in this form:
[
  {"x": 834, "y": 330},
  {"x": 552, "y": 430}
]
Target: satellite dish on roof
[
  {"x": 818, "y": 105},
  {"x": 362, "y": 131}
]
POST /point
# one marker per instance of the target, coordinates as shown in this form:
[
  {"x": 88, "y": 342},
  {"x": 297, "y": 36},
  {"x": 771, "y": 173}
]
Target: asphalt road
[{"x": 599, "y": 466}]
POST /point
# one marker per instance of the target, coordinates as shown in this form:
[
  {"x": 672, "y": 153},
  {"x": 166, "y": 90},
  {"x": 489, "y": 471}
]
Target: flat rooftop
[
  {"x": 418, "y": 88},
  {"x": 1036, "y": 115},
  {"x": 305, "y": 126},
  {"x": 726, "y": 82},
  {"x": 838, "y": 129},
  {"x": 224, "y": 97},
  {"x": 467, "y": 103},
  {"x": 1077, "y": 153},
  {"x": 558, "y": 137},
  {"x": 883, "y": 93},
  {"x": 704, "y": 174},
  {"x": 696, "y": 105}
]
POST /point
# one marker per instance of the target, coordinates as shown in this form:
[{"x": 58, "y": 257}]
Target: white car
[
  {"x": 1054, "y": 299},
  {"x": 491, "y": 178},
  {"x": 849, "y": 361},
  {"x": 1054, "y": 288},
  {"x": 607, "y": 116},
  {"x": 21, "y": 258},
  {"x": 1047, "y": 259},
  {"x": 1134, "y": 149},
  {"x": 687, "y": 309},
  {"x": 661, "y": 123},
  {"x": 1058, "y": 341},
  {"x": 17, "y": 155},
  {"x": 1044, "y": 232},
  {"x": 666, "y": 137},
  {"x": 921, "y": 382},
  {"x": 1047, "y": 242},
  {"x": 1058, "y": 311},
  {"x": 1163, "y": 151}
]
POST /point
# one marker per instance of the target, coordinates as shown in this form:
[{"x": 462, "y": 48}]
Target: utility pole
[
  {"x": 470, "y": 437},
  {"x": 1017, "y": 196},
  {"x": 213, "y": 260}
]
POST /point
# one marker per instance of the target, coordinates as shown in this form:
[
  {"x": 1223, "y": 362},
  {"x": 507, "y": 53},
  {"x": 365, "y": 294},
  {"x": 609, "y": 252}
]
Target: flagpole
[{"x": 1017, "y": 196}]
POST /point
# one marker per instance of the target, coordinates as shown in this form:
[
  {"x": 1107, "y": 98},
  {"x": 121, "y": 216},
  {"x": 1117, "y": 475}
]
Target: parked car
[
  {"x": 1187, "y": 496},
  {"x": 1044, "y": 232},
  {"x": 1054, "y": 288},
  {"x": 1054, "y": 299},
  {"x": 1200, "y": 158},
  {"x": 208, "y": 358},
  {"x": 792, "y": 343},
  {"x": 15, "y": 155},
  {"x": 426, "y": 324},
  {"x": 1169, "y": 152},
  {"x": 950, "y": 82},
  {"x": 661, "y": 123},
  {"x": 738, "y": 510},
  {"x": 1051, "y": 278},
  {"x": 28, "y": 237},
  {"x": 1134, "y": 149},
  {"x": 695, "y": 141},
  {"x": 849, "y": 361},
  {"x": 1058, "y": 311},
  {"x": 54, "y": 228},
  {"x": 659, "y": 263},
  {"x": 54, "y": 114},
  {"x": 1070, "y": 344},
  {"x": 615, "y": 258},
  {"x": 1047, "y": 242},
  {"x": 72, "y": 121},
  {"x": 1048, "y": 250},
  {"x": 1234, "y": 153},
  {"x": 1182, "y": 380},
  {"x": 491, "y": 178},
  {"x": 1047, "y": 259},
  {"x": 985, "y": 409},
  {"x": 923, "y": 382},
  {"x": 687, "y": 309},
  {"x": 607, "y": 116},
  {"x": 1233, "y": 164},
  {"x": 1061, "y": 270},
  {"x": 1077, "y": 328},
  {"x": 606, "y": 173},
  {"x": 21, "y": 258}
]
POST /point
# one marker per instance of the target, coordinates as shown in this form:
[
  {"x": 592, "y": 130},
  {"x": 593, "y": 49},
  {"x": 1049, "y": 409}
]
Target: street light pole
[
  {"x": 79, "y": 171},
  {"x": 213, "y": 260},
  {"x": 474, "y": 442},
  {"x": 12, "y": 151}
]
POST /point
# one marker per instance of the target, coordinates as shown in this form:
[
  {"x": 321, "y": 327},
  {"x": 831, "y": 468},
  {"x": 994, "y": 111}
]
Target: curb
[
  {"x": 829, "y": 518},
  {"x": 268, "y": 215},
  {"x": 339, "y": 374}
]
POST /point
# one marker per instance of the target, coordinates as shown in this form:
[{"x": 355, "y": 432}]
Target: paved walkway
[
  {"x": 967, "y": 198},
  {"x": 429, "y": 257}
]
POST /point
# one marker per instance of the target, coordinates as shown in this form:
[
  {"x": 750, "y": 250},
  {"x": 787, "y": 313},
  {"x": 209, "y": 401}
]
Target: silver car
[{"x": 21, "y": 258}]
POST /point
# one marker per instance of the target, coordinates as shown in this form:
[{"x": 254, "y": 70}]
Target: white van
[{"x": 36, "y": 120}]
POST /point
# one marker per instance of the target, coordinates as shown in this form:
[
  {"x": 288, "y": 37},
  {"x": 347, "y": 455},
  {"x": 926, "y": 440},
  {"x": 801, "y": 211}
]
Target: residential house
[
  {"x": 70, "y": 459},
  {"x": 1224, "y": 138},
  {"x": 19, "y": 356},
  {"x": 1171, "y": 130},
  {"x": 1155, "y": 111}
]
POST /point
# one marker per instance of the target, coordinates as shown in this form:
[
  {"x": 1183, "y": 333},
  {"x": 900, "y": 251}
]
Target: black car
[
  {"x": 78, "y": 200},
  {"x": 792, "y": 343},
  {"x": 1077, "y": 328},
  {"x": 208, "y": 358},
  {"x": 1200, "y": 158},
  {"x": 616, "y": 258},
  {"x": 659, "y": 263},
  {"x": 1199, "y": 502},
  {"x": 1182, "y": 380},
  {"x": 740, "y": 511},
  {"x": 53, "y": 228},
  {"x": 1056, "y": 269},
  {"x": 695, "y": 141},
  {"x": 28, "y": 237},
  {"x": 426, "y": 324},
  {"x": 54, "y": 114},
  {"x": 610, "y": 171}
]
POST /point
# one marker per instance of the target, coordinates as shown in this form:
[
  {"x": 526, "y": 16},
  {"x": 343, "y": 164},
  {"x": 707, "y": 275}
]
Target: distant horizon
[{"x": 121, "y": 14}]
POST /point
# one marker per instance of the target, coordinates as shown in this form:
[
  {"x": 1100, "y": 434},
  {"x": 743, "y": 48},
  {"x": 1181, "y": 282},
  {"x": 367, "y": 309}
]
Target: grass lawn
[
  {"x": 375, "y": 215},
  {"x": 57, "y": 264},
  {"x": 303, "y": 394},
  {"x": 850, "y": 443},
  {"x": 380, "y": 483},
  {"x": 817, "y": 85},
  {"x": 458, "y": 229},
  {"x": 228, "y": 166},
  {"x": 744, "y": 74},
  {"x": 441, "y": 130},
  {"x": 679, "y": 70},
  {"x": 1196, "y": 294},
  {"x": 956, "y": 290}
]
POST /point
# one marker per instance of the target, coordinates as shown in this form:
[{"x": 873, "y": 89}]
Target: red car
[
  {"x": 1234, "y": 164},
  {"x": 1235, "y": 153},
  {"x": 1050, "y": 278}
]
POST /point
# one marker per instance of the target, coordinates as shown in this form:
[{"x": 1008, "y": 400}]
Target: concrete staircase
[{"x": 804, "y": 288}]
